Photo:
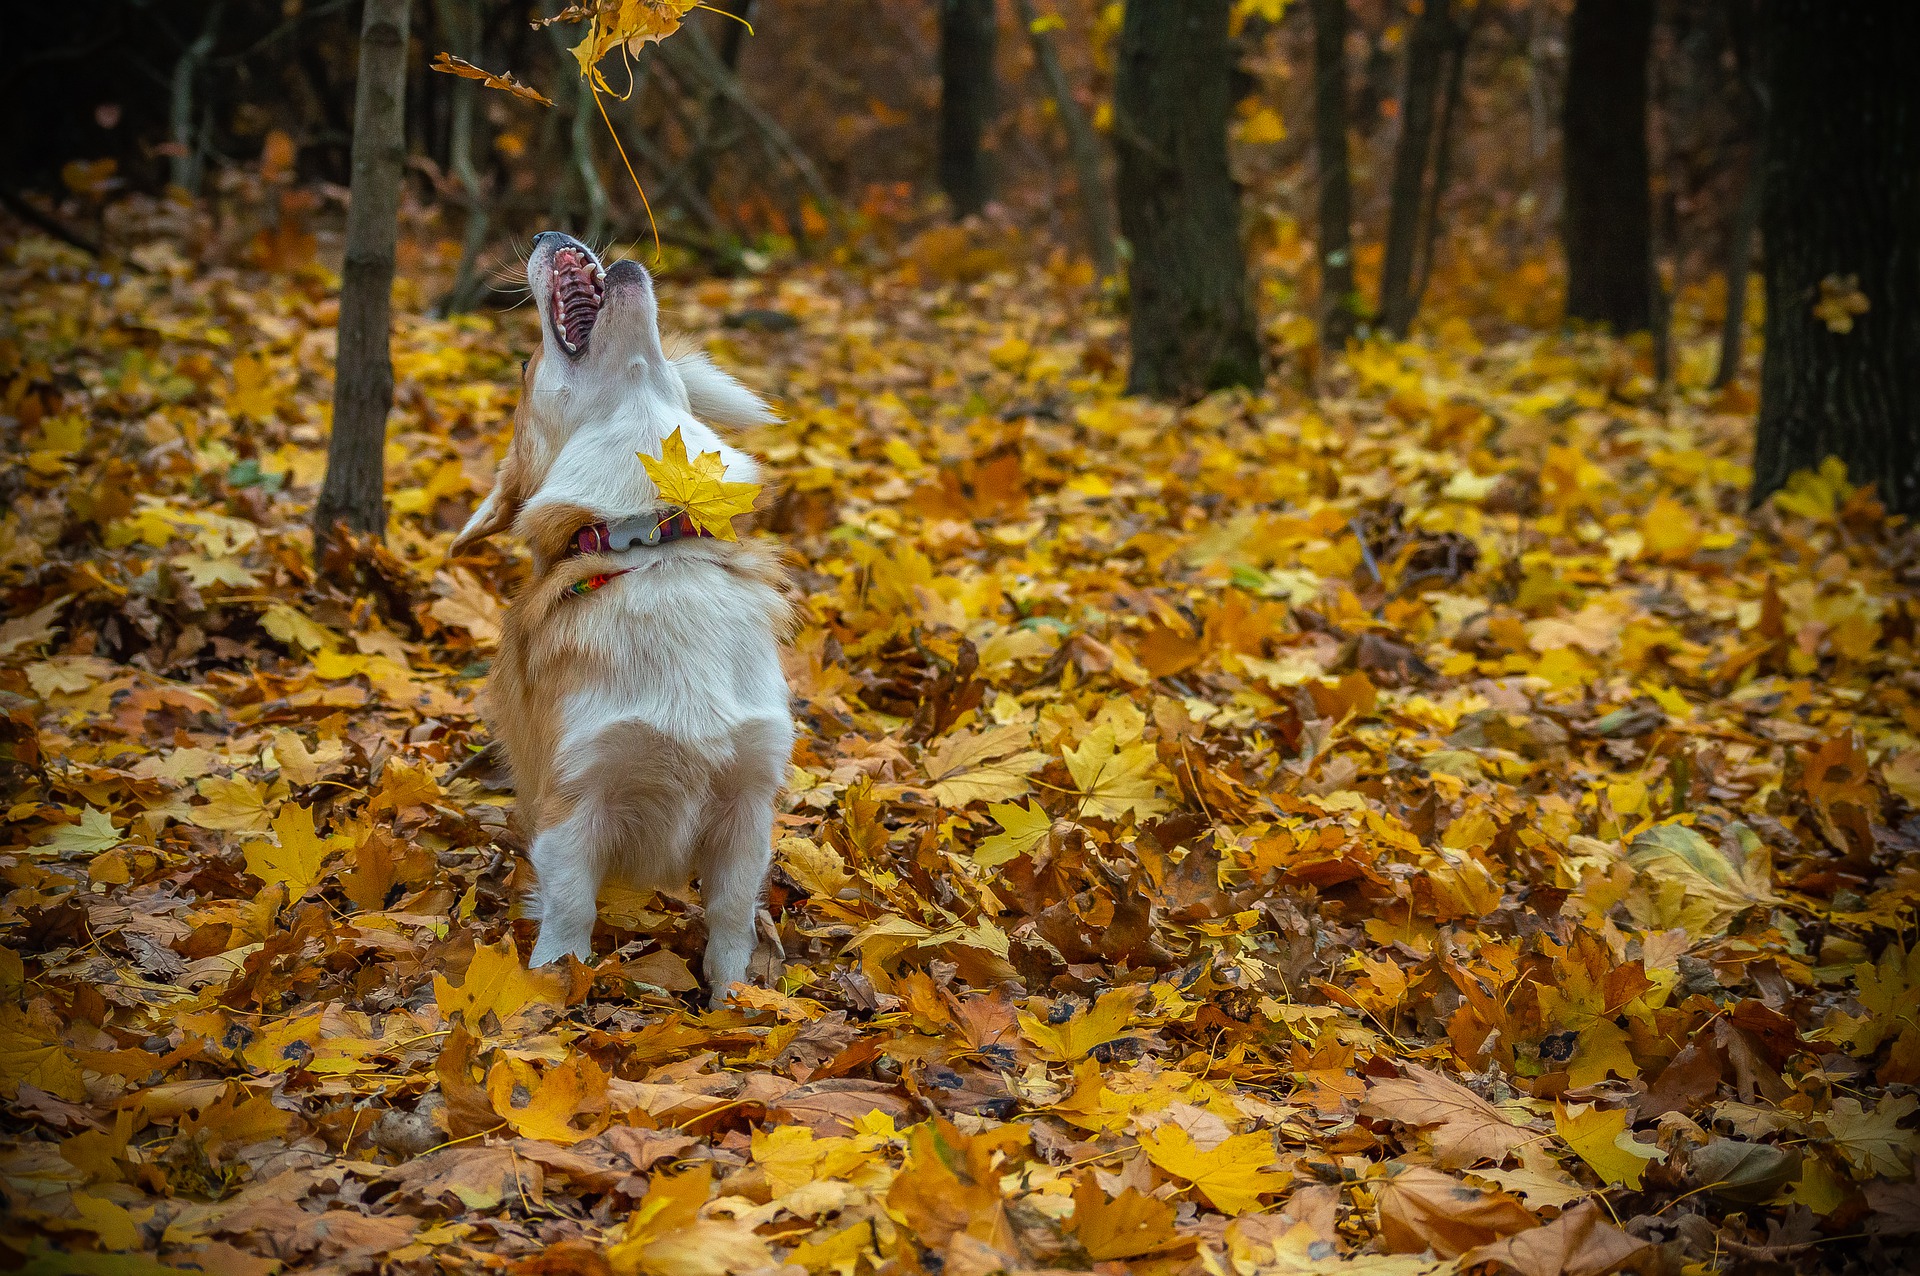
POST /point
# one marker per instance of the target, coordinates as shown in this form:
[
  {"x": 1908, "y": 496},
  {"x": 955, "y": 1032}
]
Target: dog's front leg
[{"x": 569, "y": 864}]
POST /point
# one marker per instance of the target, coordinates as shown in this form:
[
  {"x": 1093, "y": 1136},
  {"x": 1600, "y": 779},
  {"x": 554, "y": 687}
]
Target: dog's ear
[
  {"x": 497, "y": 512},
  {"x": 716, "y": 397}
]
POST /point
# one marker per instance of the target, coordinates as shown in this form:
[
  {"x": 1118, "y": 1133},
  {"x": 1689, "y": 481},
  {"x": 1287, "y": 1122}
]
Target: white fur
[{"x": 675, "y": 660}]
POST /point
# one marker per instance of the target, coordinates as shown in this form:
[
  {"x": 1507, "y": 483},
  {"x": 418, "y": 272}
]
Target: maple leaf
[
  {"x": 495, "y": 983},
  {"x": 466, "y": 604},
  {"x": 1465, "y": 1127},
  {"x": 1697, "y": 885},
  {"x": 1130, "y": 1225},
  {"x": 1581, "y": 1242},
  {"x": 1022, "y": 829},
  {"x": 27, "y": 1058},
  {"x": 981, "y": 766},
  {"x": 1871, "y": 1140},
  {"x": 1106, "y": 1020},
  {"x": 699, "y": 486},
  {"x": 295, "y": 857},
  {"x": 1233, "y": 1176},
  {"x": 1601, "y": 1138},
  {"x": 444, "y": 61},
  {"x": 573, "y": 1089},
  {"x": 234, "y": 804},
  {"x": 1422, "y": 1209},
  {"x": 93, "y": 834},
  {"x": 1113, "y": 780},
  {"x": 950, "y": 1184}
]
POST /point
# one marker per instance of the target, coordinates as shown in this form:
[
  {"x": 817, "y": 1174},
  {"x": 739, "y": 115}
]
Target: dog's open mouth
[{"x": 578, "y": 290}]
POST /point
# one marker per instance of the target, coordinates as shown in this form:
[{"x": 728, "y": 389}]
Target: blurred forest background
[{"x": 820, "y": 132}]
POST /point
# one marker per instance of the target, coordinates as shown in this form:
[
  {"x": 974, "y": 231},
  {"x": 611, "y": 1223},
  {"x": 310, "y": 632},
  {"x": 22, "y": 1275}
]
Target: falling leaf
[
  {"x": 466, "y": 70},
  {"x": 699, "y": 486}
]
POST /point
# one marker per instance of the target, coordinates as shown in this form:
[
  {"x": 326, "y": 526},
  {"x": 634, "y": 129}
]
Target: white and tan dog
[{"x": 638, "y": 693}]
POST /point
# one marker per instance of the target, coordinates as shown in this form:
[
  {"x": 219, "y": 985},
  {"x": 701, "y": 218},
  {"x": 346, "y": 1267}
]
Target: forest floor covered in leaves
[{"x": 1431, "y": 825}]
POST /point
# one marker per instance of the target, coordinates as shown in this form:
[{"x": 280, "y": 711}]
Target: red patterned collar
[{"x": 641, "y": 531}]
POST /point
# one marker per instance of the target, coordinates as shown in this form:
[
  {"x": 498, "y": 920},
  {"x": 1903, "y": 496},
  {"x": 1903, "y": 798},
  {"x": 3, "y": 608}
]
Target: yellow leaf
[
  {"x": 1872, "y": 1141},
  {"x": 1111, "y": 780},
  {"x": 234, "y": 805},
  {"x": 1107, "y": 1020},
  {"x": 1129, "y": 1226},
  {"x": 495, "y": 983},
  {"x": 699, "y": 486},
  {"x": 574, "y": 1089},
  {"x": 1263, "y": 128},
  {"x": 1232, "y": 1176},
  {"x": 255, "y": 392},
  {"x": 293, "y": 627},
  {"x": 298, "y": 856},
  {"x": 1024, "y": 828},
  {"x": 26, "y": 1058},
  {"x": 93, "y": 834},
  {"x": 1601, "y": 1138},
  {"x": 1699, "y": 885},
  {"x": 981, "y": 766},
  {"x": 114, "y": 1227}
]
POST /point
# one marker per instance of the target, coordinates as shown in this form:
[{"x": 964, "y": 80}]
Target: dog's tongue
[{"x": 576, "y": 297}]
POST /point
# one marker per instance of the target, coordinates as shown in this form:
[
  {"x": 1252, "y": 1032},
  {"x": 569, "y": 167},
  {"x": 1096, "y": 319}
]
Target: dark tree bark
[
  {"x": 1082, "y": 143},
  {"x": 1842, "y": 202},
  {"x": 1338, "y": 304},
  {"x": 1419, "y": 102},
  {"x": 353, "y": 493},
  {"x": 1608, "y": 233},
  {"x": 1192, "y": 323},
  {"x": 1746, "y": 219},
  {"x": 1459, "y": 37},
  {"x": 967, "y": 31}
]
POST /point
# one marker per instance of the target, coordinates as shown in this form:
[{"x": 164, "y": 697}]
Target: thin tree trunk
[
  {"x": 1083, "y": 144},
  {"x": 460, "y": 26},
  {"x": 1426, "y": 51},
  {"x": 353, "y": 493},
  {"x": 189, "y": 142},
  {"x": 1461, "y": 31},
  {"x": 1746, "y": 219},
  {"x": 1609, "y": 213},
  {"x": 1842, "y": 204},
  {"x": 716, "y": 119},
  {"x": 580, "y": 137},
  {"x": 967, "y": 39},
  {"x": 1192, "y": 323},
  {"x": 1339, "y": 308}
]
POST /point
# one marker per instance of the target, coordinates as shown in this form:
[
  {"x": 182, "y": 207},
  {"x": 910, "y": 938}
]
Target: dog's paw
[{"x": 547, "y": 951}]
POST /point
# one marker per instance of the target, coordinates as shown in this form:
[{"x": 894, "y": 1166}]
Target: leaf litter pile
[{"x": 1429, "y": 826}]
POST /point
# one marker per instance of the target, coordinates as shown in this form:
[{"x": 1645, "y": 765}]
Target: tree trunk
[
  {"x": 967, "y": 32},
  {"x": 183, "y": 170},
  {"x": 580, "y": 135},
  {"x": 1339, "y": 306},
  {"x": 1608, "y": 231},
  {"x": 1745, "y": 18},
  {"x": 1082, "y": 144},
  {"x": 1460, "y": 36},
  {"x": 1842, "y": 202},
  {"x": 353, "y": 494},
  {"x": 460, "y": 27},
  {"x": 1192, "y": 323},
  {"x": 716, "y": 119},
  {"x": 1426, "y": 53}
]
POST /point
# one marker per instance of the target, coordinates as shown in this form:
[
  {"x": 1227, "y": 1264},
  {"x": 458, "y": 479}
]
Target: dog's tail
[{"x": 716, "y": 397}]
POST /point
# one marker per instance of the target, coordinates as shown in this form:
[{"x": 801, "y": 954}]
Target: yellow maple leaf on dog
[{"x": 699, "y": 486}]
